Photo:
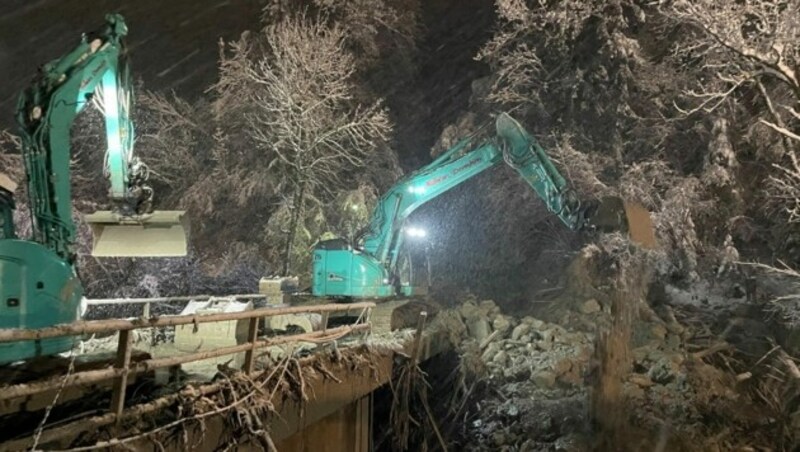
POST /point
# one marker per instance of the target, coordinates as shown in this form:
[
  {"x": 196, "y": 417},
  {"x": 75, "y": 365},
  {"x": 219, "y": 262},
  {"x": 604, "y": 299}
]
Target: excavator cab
[{"x": 157, "y": 234}]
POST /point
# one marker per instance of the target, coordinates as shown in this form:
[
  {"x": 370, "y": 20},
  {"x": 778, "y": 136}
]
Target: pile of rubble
[
  {"x": 535, "y": 379},
  {"x": 532, "y": 378},
  {"x": 524, "y": 350}
]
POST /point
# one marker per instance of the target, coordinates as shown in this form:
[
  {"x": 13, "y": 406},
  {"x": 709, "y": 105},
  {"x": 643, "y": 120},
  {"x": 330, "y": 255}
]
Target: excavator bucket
[
  {"x": 614, "y": 214},
  {"x": 157, "y": 234}
]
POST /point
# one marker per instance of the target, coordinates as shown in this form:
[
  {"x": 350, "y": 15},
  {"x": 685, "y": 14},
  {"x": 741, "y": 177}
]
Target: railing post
[
  {"x": 121, "y": 382},
  {"x": 324, "y": 323},
  {"x": 418, "y": 337},
  {"x": 366, "y": 316},
  {"x": 250, "y": 355}
]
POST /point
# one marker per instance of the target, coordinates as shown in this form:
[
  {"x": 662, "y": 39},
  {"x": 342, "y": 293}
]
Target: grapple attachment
[
  {"x": 157, "y": 234},
  {"x": 613, "y": 214}
]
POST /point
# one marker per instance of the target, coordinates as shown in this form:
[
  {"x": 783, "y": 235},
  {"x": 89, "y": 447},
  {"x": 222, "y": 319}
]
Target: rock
[
  {"x": 478, "y": 328},
  {"x": 658, "y": 331},
  {"x": 500, "y": 438},
  {"x": 544, "y": 379},
  {"x": 519, "y": 331},
  {"x": 519, "y": 373},
  {"x": 535, "y": 324},
  {"x": 633, "y": 391},
  {"x": 591, "y": 306},
  {"x": 501, "y": 358},
  {"x": 489, "y": 307},
  {"x": 547, "y": 336},
  {"x": 643, "y": 381},
  {"x": 677, "y": 359},
  {"x": 640, "y": 354},
  {"x": 512, "y": 411},
  {"x": 675, "y": 328},
  {"x": 663, "y": 371},
  {"x": 490, "y": 352},
  {"x": 674, "y": 341},
  {"x": 469, "y": 311},
  {"x": 526, "y": 338},
  {"x": 573, "y": 442},
  {"x": 562, "y": 367},
  {"x": 528, "y": 446},
  {"x": 572, "y": 378},
  {"x": 544, "y": 345},
  {"x": 501, "y": 323}
]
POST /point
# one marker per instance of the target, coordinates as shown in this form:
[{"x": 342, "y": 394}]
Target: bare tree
[
  {"x": 175, "y": 137},
  {"x": 747, "y": 56},
  {"x": 753, "y": 44},
  {"x": 375, "y": 27},
  {"x": 293, "y": 84}
]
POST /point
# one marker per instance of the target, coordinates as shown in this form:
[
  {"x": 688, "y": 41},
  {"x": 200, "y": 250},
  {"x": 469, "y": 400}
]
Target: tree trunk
[{"x": 297, "y": 212}]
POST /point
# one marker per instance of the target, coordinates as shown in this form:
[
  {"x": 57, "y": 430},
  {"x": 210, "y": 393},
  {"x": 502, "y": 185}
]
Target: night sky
[{"x": 174, "y": 43}]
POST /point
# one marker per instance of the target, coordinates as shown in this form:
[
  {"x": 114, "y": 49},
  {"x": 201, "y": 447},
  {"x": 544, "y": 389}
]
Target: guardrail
[
  {"x": 123, "y": 368},
  {"x": 146, "y": 302}
]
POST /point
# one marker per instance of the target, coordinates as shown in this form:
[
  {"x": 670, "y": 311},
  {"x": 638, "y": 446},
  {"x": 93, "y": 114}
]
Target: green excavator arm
[
  {"x": 368, "y": 268},
  {"x": 39, "y": 285}
]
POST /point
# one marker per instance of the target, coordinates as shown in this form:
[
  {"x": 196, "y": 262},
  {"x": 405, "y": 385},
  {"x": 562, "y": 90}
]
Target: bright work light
[{"x": 416, "y": 232}]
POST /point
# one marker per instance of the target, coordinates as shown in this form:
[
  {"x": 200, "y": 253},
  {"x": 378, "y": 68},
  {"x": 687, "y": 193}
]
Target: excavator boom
[
  {"x": 39, "y": 284},
  {"x": 95, "y": 72}
]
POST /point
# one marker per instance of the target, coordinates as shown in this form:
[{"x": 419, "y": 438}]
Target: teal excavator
[
  {"x": 39, "y": 284},
  {"x": 371, "y": 266}
]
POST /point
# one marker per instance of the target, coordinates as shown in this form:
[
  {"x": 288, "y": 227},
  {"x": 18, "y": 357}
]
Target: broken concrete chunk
[
  {"x": 659, "y": 331},
  {"x": 562, "y": 367},
  {"x": 663, "y": 371},
  {"x": 633, "y": 391},
  {"x": 643, "y": 381},
  {"x": 501, "y": 358},
  {"x": 550, "y": 335},
  {"x": 536, "y": 324},
  {"x": 490, "y": 351},
  {"x": 500, "y": 438},
  {"x": 478, "y": 328},
  {"x": 489, "y": 308},
  {"x": 544, "y": 345},
  {"x": 591, "y": 306},
  {"x": 544, "y": 379},
  {"x": 501, "y": 323},
  {"x": 520, "y": 331},
  {"x": 469, "y": 310}
]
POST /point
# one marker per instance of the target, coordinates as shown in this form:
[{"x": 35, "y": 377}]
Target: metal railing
[
  {"x": 147, "y": 302},
  {"x": 123, "y": 367}
]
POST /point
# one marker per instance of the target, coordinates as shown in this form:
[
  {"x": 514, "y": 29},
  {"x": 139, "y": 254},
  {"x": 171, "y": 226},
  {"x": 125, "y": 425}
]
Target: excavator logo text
[
  {"x": 466, "y": 166},
  {"x": 100, "y": 67}
]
